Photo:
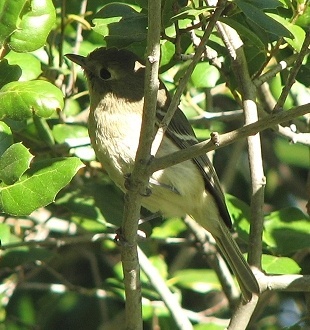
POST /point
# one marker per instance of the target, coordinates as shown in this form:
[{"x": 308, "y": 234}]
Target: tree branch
[
  {"x": 227, "y": 138},
  {"x": 139, "y": 178}
]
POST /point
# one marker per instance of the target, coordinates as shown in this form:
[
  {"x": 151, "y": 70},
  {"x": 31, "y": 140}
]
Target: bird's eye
[{"x": 104, "y": 74}]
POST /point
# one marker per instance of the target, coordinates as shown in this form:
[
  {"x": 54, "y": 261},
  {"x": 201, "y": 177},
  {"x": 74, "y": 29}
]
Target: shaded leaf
[
  {"x": 260, "y": 18},
  {"x": 18, "y": 257},
  {"x": 286, "y": 231},
  {"x": 292, "y": 154},
  {"x": 265, "y": 4},
  {"x": 191, "y": 13},
  {"x": 120, "y": 25},
  {"x": 245, "y": 33}
]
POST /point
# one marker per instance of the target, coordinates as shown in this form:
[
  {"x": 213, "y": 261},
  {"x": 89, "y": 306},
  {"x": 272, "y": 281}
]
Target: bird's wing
[{"x": 182, "y": 134}]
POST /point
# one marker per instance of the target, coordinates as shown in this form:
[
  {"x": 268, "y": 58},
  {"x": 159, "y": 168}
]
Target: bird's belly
[{"x": 115, "y": 143}]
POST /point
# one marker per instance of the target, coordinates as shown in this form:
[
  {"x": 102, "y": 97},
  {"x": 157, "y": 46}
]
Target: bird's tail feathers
[{"x": 232, "y": 254}]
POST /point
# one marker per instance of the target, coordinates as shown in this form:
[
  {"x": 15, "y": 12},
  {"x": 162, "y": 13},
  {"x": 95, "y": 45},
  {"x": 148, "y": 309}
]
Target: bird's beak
[{"x": 78, "y": 59}]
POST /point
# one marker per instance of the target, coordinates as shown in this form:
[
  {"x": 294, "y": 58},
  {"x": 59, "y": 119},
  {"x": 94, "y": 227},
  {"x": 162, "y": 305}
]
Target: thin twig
[
  {"x": 282, "y": 65},
  {"x": 292, "y": 75},
  {"x": 196, "y": 58}
]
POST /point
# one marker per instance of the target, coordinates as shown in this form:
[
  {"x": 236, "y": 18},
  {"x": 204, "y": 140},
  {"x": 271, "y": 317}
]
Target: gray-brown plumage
[{"x": 116, "y": 86}]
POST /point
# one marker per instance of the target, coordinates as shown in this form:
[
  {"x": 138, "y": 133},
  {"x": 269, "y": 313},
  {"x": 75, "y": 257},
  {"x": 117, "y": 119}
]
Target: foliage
[{"x": 59, "y": 209}]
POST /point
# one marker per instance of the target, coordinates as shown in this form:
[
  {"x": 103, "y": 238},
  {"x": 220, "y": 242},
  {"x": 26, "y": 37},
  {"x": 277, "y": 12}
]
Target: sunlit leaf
[
  {"x": 19, "y": 100},
  {"x": 39, "y": 186},
  {"x": 14, "y": 162}
]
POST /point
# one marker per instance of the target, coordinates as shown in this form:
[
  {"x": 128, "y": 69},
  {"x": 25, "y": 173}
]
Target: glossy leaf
[
  {"x": 19, "y": 67},
  {"x": 19, "y": 100},
  {"x": 9, "y": 16},
  {"x": 14, "y": 162},
  {"x": 39, "y": 186},
  {"x": 37, "y": 19}
]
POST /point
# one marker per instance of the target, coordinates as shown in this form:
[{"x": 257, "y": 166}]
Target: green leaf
[
  {"x": 286, "y": 231},
  {"x": 68, "y": 133},
  {"x": 292, "y": 154},
  {"x": 19, "y": 100},
  {"x": 17, "y": 257},
  {"x": 240, "y": 214},
  {"x": 120, "y": 25},
  {"x": 199, "y": 280},
  {"x": 77, "y": 139},
  {"x": 6, "y": 138},
  {"x": 14, "y": 162},
  {"x": 37, "y": 20},
  {"x": 261, "y": 19},
  {"x": 264, "y": 4},
  {"x": 279, "y": 265},
  {"x": 298, "y": 33},
  {"x": 191, "y": 13},
  {"x": 245, "y": 33},
  {"x": 169, "y": 228},
  {"x": 44, "y": 131},
  {"x": 19, "y": 67},
  {"x": 9, "y": 15},
  {"x": 5, "y": 233},
  {"x": 39, "y": 186},
  {"x": 204, "y": 75}
]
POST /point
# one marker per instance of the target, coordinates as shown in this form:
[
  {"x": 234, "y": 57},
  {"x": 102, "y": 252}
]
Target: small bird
[{"x": 116, "y": 88}]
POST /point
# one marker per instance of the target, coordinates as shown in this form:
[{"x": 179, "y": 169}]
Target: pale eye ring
[{"x": 104, "y": 74}]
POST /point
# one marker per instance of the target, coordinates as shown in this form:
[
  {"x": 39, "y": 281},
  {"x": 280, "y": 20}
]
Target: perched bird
[{"x": 116, "y": 86}]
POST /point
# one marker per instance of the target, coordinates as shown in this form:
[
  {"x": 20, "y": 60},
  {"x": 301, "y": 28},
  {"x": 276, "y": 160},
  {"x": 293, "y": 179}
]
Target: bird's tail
[{"x": 232, "y": 254}]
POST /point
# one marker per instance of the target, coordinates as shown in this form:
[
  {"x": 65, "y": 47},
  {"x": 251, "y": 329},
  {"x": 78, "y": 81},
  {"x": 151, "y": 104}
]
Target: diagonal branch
[{"x": 227, "y": 138}]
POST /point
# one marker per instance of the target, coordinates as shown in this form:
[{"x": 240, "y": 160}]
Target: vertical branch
[
  {"x": 248, "y": 93},
  {"x": 139, "y": 178}
]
